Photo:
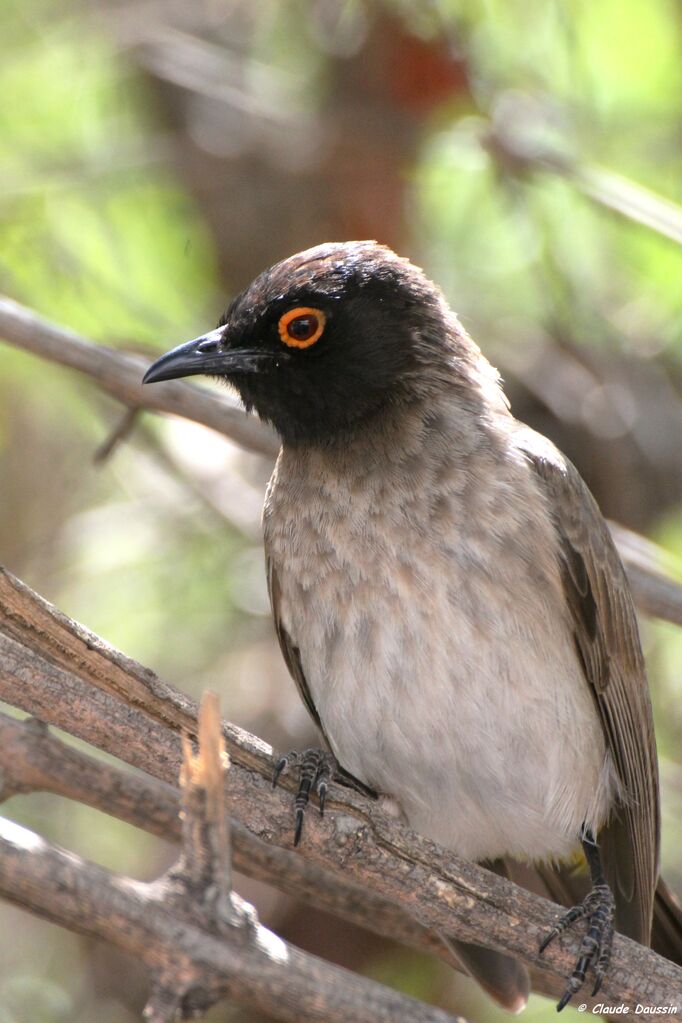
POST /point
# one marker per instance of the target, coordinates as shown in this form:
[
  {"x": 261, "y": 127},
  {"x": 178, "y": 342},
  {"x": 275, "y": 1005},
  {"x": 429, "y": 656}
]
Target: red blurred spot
[{"x": 423, "y": 73}]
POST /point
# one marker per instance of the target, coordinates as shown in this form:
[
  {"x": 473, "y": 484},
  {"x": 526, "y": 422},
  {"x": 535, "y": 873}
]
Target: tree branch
[
  {"x": 513, "y": 141},
  {"x": 119, "y": 374},
  {"x": 193, "y": 966},
  {"x": 65, "y": 675},
  {"x": 656, "y": 594},
  {"x": 33, "y": 760}
]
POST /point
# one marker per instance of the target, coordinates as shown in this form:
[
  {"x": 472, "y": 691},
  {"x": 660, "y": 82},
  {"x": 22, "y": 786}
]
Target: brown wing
[
  {"x": 292, "y": 657},
  {"x": 607, "y": 641},
  {"x": 290, "y": 651}
]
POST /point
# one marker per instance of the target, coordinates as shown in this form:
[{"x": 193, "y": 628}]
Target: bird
[{"x": 446, "y": 594}]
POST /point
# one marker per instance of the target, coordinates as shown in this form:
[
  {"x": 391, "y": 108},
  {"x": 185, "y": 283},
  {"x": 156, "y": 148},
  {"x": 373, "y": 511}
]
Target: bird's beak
[{"x": 208, "y": 354}]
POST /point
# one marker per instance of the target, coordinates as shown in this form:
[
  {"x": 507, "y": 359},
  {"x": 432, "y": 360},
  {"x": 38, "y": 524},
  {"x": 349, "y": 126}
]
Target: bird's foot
[
  {"x": 316, "y": 769},
  {"x": 595, "y": 950}
]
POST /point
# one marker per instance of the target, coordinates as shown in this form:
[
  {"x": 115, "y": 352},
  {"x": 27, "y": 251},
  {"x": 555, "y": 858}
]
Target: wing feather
[
  {"x": 292, "y": 658},
  {"x": 607, "y": 641},
  {"x": 290, "y": 651}
]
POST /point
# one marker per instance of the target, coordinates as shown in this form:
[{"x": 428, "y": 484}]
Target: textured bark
[
  {"x": 193, "y": 967},
  {"x": 63, "y": 674},
  {"x": 33, "y": 760}
]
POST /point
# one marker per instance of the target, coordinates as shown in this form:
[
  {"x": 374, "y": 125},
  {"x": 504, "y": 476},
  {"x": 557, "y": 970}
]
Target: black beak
[{"x": 208, "y": 355}]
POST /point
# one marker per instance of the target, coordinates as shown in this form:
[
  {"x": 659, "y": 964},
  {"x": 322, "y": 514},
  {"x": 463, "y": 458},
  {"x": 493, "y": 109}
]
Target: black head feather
[{"x": 388, "y": 337}]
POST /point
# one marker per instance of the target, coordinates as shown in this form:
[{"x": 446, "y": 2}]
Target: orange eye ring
[{"x": 301, "y": 327}]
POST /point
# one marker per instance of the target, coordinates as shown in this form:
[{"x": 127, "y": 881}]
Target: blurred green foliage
[
  {"x": 95, "y": 234},
  {"x": 100, "y": 232}
]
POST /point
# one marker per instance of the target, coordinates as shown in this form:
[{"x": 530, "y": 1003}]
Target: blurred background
[{"x": 155, "y": 155}]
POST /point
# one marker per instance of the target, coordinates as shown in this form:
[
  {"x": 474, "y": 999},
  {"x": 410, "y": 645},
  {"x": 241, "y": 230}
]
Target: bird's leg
[
  {"x": 317, "y": 768},
  {"x": 598, "y": 909}
]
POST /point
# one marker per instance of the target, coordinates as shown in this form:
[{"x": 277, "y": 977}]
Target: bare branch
[
  {"x": 655, "y": 593},
  {"x": 195, "y": 967},
  {"x": 630, "y": 199},
  {"x": 120, "y": 432},
  {"x": 513, "y": 142},
  {"x": 134, "y": 719},
  {"x": 119, "y": 374},
  {"x": 33, "y": 760}
]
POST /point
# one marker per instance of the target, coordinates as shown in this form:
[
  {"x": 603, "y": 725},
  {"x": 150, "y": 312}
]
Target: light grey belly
[{"x": 456, "y": 694}]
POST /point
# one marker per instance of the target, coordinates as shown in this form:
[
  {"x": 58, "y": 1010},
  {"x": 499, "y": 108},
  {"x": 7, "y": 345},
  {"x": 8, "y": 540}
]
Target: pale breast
[{"x": 424, "y": 596}]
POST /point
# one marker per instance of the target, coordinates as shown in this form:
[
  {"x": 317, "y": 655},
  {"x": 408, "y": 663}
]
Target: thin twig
[
  {"x": 513, "y": 143},
  {"x": 120, "y": 375},
  {"x": 630, "y": 199},
  {"x": 122, "y": 429}
]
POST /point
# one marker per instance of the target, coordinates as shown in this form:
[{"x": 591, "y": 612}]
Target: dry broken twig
[
  {"x": 205, "y": 837},
  {"x": 193, "y": 966},
  {"x": 200, "y": 941},
  {"x": 67, "y": 676},
  {"x": 34, "y": 760},
  {"x": 120, "y": 375}
]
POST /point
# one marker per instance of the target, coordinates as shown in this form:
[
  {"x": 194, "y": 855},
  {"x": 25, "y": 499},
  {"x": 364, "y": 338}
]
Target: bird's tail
[
  {"x": 666, "y": 931},
  {"x": 503, "y": 978}
]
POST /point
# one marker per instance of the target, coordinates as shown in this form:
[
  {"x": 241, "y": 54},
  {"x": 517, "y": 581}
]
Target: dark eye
[{"x": 301, "y": 327}]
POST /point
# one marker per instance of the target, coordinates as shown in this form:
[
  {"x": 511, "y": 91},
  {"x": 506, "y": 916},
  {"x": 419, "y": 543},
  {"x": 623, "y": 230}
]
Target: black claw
[
  {"x": 595, "y": 948},
  {"x": 322, "y": 795},
  {"x": 279, "y": 767},
  {"x": 564, "y": 1000},
  {"x": 298, "y": 830}
]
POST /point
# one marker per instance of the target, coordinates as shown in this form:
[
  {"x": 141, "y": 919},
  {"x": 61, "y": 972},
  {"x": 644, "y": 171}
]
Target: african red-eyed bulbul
[{"x": 445, "y": 590}]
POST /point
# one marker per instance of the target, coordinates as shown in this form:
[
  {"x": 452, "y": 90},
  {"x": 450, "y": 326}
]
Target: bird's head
[{"x": 326, "y": 338}]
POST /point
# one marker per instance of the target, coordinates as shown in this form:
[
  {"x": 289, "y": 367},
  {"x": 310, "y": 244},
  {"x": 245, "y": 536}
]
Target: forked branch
[{"x": 63, "y": 674}]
